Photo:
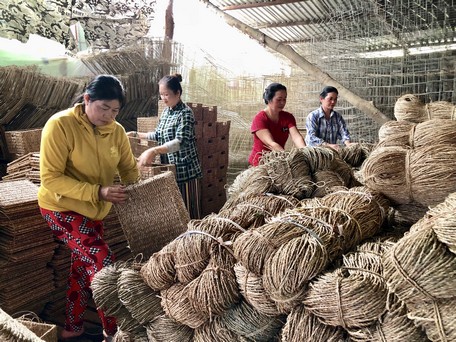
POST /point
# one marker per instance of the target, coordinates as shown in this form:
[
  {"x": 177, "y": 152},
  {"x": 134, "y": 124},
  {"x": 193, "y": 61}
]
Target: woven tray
[
  {"x": 47, "y": 332},
  {"x": 154, "y": 215}
]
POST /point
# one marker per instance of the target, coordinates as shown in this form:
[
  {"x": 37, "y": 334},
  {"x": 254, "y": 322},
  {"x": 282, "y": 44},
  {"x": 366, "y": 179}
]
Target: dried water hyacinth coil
[
  {"x": 445, "y": 228},
  {"x": 433, "y": 132},
  {"x": 217, "y": 226},
  {"x": 393, "y": 325},
  {"x": 410, "y": 108},
  {"x": 437, "y": 318},
  {"x": 419, "y": 266},
  {"x": 142, "y": 302},
  {"x": 408, "y": 214},
  {"x": 253, "y": 211},
  {"x": 355, "y": 154},
  {"x": 164, "y": 328},
  {"x": 292, "y": 266},
  {"x": 137, "y": 336},
  {"x": 347, "y": 298},
  {"x": 159, "y": 271},
  {"x": 253, "y": 247},
  {"x": 252, "y": 181},
  {"x": 253, "y": 292},
  {"x": 215, "y": 289},
  {"x": 324, "y": 181},
  {"x": 215, "y": 330},
  {"x": 345, "y": 172},
  {"x": 302, "y": 325},
  {"x": 176, "y": 304},
  {"x": 104, "y": 288},
  {"x": 244, "y": 320},
  {"x": 12, "y": 330},
  {"x": 317, "y": 158},
  {"x": 192, "y": 254},
  {"x": 395, "y": 133}
]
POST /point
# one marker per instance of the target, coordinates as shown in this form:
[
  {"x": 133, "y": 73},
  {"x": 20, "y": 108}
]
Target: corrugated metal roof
[{"x": 373, "y": 24}]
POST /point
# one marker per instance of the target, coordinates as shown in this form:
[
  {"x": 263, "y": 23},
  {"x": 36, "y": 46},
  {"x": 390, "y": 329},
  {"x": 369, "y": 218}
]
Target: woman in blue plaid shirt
[
  {"x": 324, "y": 125},
  {"x": 175, "y": 134}
]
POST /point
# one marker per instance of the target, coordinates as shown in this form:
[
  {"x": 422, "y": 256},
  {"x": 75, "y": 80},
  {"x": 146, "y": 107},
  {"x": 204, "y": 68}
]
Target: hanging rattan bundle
[
  {"x": 244, "y": 320},
  {"x": 419, "y": 266},
  {"x": 255, "y": 246},
  {"x": 410, "y": 108},
  {"x": 159, "y": 271},
  {"x": 215, "y": 289},
  {"x": 253, "y": 211},
  {"x": 393, "y": 325},
  {"x": 302, "y": 326},
  {"x": 192, "y": 254},
  {"x": 292, "y": 265},
  {"x": 164, "y": 328},
  {"x": 142, "y": 302},
  {"x": 216, "y": 330},
  {"x": 252, "y": 290},
  {"x": 347, "y": 297}
]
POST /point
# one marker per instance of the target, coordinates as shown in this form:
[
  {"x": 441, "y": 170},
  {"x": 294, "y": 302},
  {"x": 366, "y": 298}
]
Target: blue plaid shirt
[
  {"x": 179, "y": 123},
  {"x": 320, "y": 130}
]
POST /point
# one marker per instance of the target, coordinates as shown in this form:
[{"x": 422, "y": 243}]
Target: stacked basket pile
[
  {"x": 25, "y": 167},
  {"x": 26, "y": 246}
]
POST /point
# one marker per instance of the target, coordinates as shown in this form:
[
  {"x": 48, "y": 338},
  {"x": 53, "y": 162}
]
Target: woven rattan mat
[
  {"x": 154, "y": 215},
  {"x": 17, "y": 193}
]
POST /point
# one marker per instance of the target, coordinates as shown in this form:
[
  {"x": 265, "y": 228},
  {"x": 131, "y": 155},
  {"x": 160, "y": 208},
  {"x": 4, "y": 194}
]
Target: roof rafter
[{"x": 259, "y": 4}]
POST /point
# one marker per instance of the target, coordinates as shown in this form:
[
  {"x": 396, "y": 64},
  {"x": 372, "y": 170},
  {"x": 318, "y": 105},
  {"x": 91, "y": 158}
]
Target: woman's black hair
[
  {"x": 172, "y": 82},
  {"x": 104, "y": 87},
  {"x": 328, "y": 89},
  {"x": 271, "y": 90}
]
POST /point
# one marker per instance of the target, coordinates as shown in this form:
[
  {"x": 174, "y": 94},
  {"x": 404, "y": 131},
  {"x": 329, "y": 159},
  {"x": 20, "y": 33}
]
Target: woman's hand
[
  {"x": 133, "y": 134},
  {"x": 148, "y": 157},
  {"x": 113, "y": 194}
]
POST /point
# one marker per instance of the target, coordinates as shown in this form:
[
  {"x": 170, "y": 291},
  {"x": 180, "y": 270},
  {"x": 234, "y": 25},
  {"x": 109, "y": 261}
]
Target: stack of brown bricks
[{"x": 212, "y": 139}]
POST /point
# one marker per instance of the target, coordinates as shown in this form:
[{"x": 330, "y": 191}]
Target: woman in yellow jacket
[{"x": 81, "y": 150}]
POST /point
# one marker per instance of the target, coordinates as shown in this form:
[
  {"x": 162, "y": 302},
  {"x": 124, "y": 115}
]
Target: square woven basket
[{"x": 46, "y": 332}]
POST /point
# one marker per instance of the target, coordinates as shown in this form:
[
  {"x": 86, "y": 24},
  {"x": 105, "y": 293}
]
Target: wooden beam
[
  {"x": 290, "y": 23},
  {"x": 259, "y": 4},
  {"x": 319, "y": 75}
]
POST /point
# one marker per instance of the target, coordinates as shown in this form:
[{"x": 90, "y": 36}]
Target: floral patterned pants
[{"x": 89, "y": 254}]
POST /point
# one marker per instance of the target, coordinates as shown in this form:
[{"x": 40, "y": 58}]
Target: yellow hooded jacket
[{"x": 76, "y": 159}]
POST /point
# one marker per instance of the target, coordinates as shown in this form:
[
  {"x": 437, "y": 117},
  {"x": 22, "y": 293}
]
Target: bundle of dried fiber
[
  {"x": 289, "y": 269},
  {"x": 142, "y": 302},
  {"x": 355, "y": 154},
  {"x": 177, "y": 306},
  {"x": 446, "y": 207},
  {"x": 253, "y": 211},
  {"x": 408, "y": 214},
  {"x": 345, "y": 171},
  {"x": 420, "y": 267},
  {"x": 139, "y": 335},
  {"x": 302, "y": 325},
  {"x": 244, "y": 320},
  {"x": 12, "y": 330},
  {"x": 215, "y": 289},
  {"x": 192, "y": 254},
  {"x": 253, "y": 247},
  {"x": 215, "y": 330},
  {"x": 410, "y": 108},
  {"x": 445, "y": 228},
  {"x": 217, "y": 226},
  {"x": 324, "y": 181},
  {"x": 320, "y": 222},
  {"x": 393, "y": 325},
  {"x": 159, "y": 271},
  {"x": 347, "y": 297},
  {"x": 253, "y": 181},
  {"x": 436, "y": 317},
  {"x": 164, "y": 328},
  {"x": 434, "y": 132},
  {"x": 395, "y": 133},
  {"x": 317, "y": 158},
  {"x": 104, "y": 288},
  {"x": 252, "y": 290}
]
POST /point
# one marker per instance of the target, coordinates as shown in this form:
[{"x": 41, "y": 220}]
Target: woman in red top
[{"x": 272, "y": 126}]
